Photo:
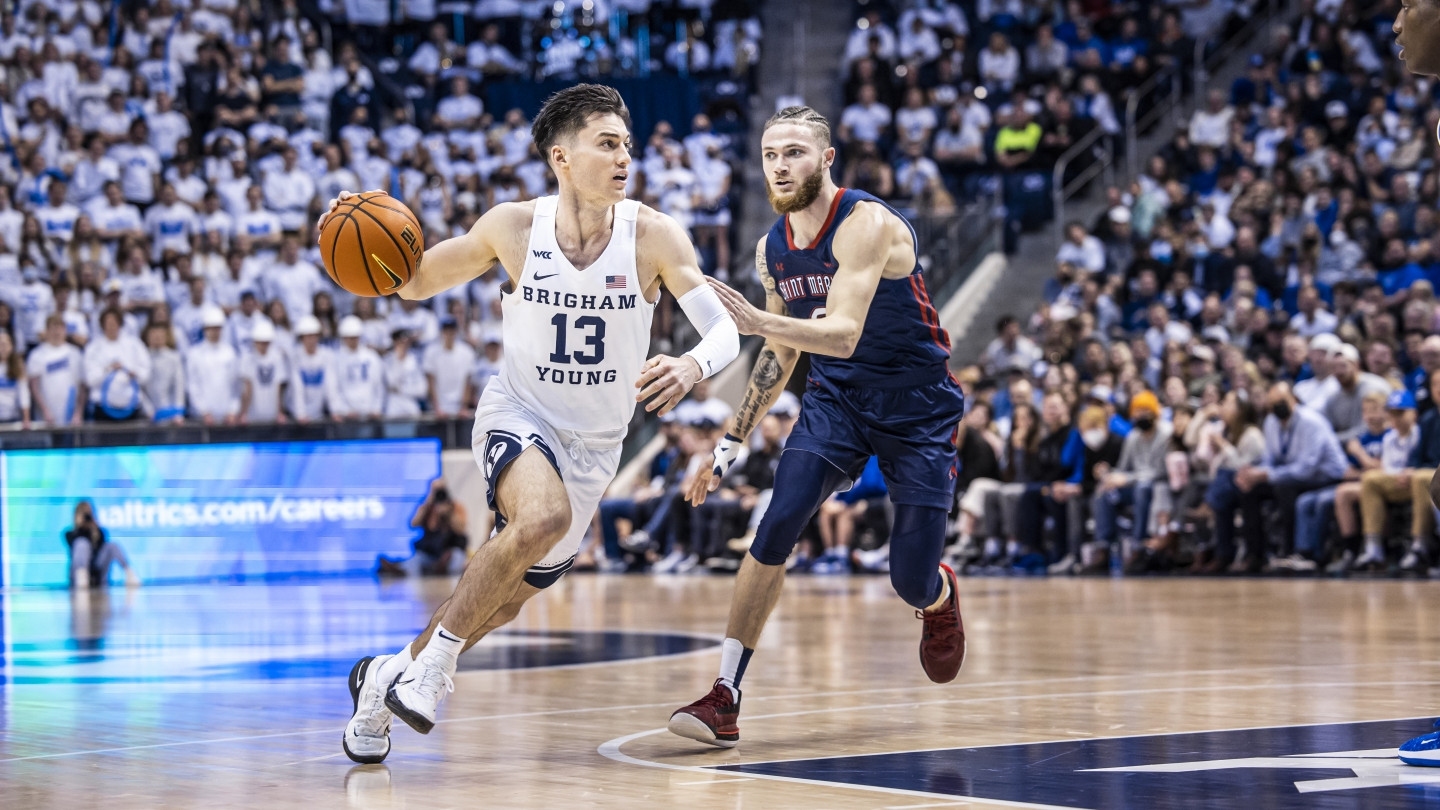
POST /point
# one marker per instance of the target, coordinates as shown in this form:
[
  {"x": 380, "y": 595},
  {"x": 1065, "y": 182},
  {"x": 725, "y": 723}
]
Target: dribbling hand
[
  {"x": 665, "y": 381},
  {"x": 330, "y": 209}
]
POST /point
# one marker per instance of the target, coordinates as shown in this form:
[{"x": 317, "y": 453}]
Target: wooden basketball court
[{"x": 1076, "y": 693}]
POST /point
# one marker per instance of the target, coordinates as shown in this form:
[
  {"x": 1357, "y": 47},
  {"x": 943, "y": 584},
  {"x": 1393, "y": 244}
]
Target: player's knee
[
  {"x": 539, "y": 533},
  {"x": 918, "y": 589},
  {"x": 767, "y": 550}
]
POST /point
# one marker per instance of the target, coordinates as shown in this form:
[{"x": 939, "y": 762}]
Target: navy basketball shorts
[{"x": 912, "y": 430}]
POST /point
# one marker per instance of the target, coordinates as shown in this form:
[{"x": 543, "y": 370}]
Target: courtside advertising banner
[{"x": 196, "y": 512}]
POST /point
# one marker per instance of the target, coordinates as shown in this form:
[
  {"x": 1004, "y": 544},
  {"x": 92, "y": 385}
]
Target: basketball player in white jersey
[{"x": 586, "y": 268}]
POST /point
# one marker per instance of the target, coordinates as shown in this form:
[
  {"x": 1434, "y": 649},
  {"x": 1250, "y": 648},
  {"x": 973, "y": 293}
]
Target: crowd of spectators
[
  {"x": 164, "y": 165},
  {"x": 1234, "y": 369},
  {"x": 944, "y": 100}
]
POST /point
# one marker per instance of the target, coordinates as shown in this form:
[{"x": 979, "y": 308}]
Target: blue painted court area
[{"x": 1346, "y": 766}]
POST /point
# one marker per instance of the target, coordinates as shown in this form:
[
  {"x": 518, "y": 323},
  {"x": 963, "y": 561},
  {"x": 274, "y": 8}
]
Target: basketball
[{"x": 371, "y": 244}]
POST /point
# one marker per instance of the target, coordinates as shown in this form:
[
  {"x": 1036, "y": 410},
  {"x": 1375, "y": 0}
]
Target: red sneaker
[
  {"x": 711, "y": 719},
  {"x": 942, "y": 644}
]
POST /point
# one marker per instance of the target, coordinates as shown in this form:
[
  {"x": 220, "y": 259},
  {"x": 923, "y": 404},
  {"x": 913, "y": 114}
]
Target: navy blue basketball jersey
[{"x": 902, "y": 343}]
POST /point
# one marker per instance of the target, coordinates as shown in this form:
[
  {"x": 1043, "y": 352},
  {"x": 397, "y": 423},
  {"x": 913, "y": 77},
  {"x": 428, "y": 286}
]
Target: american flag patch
[{"x": 614, "y": 282}]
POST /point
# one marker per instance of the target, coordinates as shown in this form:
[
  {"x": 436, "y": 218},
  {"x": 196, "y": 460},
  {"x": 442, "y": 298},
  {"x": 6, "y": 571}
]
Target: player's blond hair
[{"x": 805, "y": 117}]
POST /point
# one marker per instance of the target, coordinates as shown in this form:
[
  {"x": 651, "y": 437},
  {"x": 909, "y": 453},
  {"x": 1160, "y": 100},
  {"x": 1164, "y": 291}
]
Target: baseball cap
[
  {"x": 786, "y": 405},
  {"x": 111, "y": 286},
  {"x": 1102, "y": 393},
  {"x": 1346, "y": 351},
  {"x": 1203, "y": 353},
  {"x": 308, "y": 325},
  {"x": 1325, "y": 341},
  {"x": 1401, "y": 400},
  {"x": 1216, "y": 333},
  {"x": 1120, "y": 214},
  {"x": 212, "y": 317},
  {"x": 1336, "y": 109},
  {"x": 350, "y": 327},
  {"x": 448, "y": 323}
]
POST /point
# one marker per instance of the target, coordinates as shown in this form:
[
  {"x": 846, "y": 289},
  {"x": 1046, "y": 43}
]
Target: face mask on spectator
[
  {"x": 1281, "y": 410},
  {"x": 1144, "y": 423},
  {"x": 1094, "y": 439},
  {"x": 1161, "y": 251}
]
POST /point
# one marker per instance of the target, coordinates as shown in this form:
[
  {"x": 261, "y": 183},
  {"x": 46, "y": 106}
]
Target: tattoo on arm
[{"x": 764, "y": 384}]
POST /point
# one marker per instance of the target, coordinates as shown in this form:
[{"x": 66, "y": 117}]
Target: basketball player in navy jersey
[
  {"x": 842, "y": 282},
  {"x": 1417, "y": 32}
]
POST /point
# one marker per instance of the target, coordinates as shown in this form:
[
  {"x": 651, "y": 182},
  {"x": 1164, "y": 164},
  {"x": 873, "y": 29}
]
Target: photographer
[
  {"x": 92, "y": 553},
  {"x": 441, "y": 548}
]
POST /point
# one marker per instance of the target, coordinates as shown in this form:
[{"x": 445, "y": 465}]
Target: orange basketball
[{"x": 371, "y": 244}]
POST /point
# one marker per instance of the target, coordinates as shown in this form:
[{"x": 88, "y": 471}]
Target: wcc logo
[
  {"x": 542, "y": 254},
  {"x": 1337, "y": 767}
]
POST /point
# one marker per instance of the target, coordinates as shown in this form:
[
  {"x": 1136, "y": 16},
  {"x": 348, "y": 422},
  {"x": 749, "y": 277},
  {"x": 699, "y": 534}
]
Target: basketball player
[
  {"x": 842, "y": 281},
  {"x": 1417, "y": 32},
  {"x": 586, "y": 268}
]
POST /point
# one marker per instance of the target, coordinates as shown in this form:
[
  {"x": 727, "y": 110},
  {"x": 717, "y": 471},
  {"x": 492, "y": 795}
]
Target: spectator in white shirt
[
  {"x": 172, "y": 226},
  {"x": 448, "y": 366},
  {"x": 1210, "y": 126},
  {"x": 117, "y": 367},
  {"x": 419, "y": 321},
  {"x": 57, "y": 217},
  {"x": 165, "y": 393},
  {"x": 139, "y": 165},
  {"x": 115, "y": 218},
  {"x": 264, "y": 374},
  {"x": 870, "y": 28},
  {"x": 999, "y": 64},
  {"x": 487, "y": 367},
  {"x": 460, "y": 109},
  {"x": 258, "y": 230},
  {"x": 14, "y": 387},
  {"x": 288, "y": 192},
  {"x": 865, "y": 120},
  {"x": 309, "y": 365},
  {"x": 293, "y": 280},
  {"x": 488, "y": 56},
  {"x": 405, "y": 382},
  {"x": 212, "y": 374},
  {"x": 1312, "y": 319},
  {"x": 168, "y": 126},
  {"x": 56, "y": 382},
  {"x": 356, "y": 383},
  {"x": 1082, "y": 249},
  {"x": 918, "y": 42}
]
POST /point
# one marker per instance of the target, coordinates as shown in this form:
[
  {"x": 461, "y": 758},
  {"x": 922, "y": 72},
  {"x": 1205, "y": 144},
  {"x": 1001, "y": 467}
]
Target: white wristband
[{"x": 719, "y": 339}]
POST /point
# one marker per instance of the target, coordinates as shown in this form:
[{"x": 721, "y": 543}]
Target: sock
[
  {"x": 446, "y": 646},
  {"x": 1373, "y": 546},
  {"x": 1012, "y": 548},
  {"x": 734, "y": 657},
  {"x": 944, "y": 594},
  {"x": 393, "y": 666}
]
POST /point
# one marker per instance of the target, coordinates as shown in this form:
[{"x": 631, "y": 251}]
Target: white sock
[
  {"x": 1373, "y": 546},
  {"x": 730, "y": 652},
  {"x": 944, "y": 592},
  {"x": 393, "y": 666},
  {"x": 445, "y": 646}
]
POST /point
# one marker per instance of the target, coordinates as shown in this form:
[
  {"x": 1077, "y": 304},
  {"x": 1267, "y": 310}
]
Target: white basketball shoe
[
  {"x": 367, "y": 736},
  {"x": 416, "y": 694}
]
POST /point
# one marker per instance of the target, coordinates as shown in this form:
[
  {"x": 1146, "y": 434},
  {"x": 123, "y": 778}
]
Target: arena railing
[{"x": 1169, "y": 85}]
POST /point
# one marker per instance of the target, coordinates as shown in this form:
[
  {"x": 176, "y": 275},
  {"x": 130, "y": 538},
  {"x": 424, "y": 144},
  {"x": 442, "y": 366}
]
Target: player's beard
[{"x": 807, "y": 192}]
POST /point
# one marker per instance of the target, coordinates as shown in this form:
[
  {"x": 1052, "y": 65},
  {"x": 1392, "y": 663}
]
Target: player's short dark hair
[
  {"x": 568, "y": 111},
  {"x": 806, "y": 117}
]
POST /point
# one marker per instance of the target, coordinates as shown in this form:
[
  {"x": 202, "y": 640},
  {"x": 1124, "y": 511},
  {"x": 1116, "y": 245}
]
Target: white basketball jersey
[{"x": 576, "y": 340}]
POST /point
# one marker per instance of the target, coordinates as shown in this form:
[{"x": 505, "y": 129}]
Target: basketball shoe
[
  {"x": 416, "y": 693},
  {"x": 712, "y": 719},
  {"x": 1422, "y": 750},
  {"x": 367, "y": 736},
  {"x": 942, "y": 642}
]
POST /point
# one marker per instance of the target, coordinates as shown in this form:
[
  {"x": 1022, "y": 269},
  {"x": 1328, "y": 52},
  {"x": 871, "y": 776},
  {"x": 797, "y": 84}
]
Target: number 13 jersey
[{"x": 576, "y": 340}]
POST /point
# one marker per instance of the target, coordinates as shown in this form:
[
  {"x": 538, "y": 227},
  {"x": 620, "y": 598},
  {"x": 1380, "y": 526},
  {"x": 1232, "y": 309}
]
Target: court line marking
[
  {"x": 786, "y": 696},
  {"x": 611, "y": 749},
  {"x": 933, "y": 804},
  {"x": 716, "y": 781}
]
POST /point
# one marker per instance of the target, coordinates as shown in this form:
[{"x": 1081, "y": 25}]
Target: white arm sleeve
[{"x": 719, "y": 340}]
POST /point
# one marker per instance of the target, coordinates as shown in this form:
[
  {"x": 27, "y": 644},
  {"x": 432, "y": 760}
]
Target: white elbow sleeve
[{"x": 719, "y": 339}]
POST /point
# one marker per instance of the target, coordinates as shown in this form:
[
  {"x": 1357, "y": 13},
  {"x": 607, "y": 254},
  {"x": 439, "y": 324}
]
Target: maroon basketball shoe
[
  {"x": 942, "y": 644},
  {"x": 711, "y": 719}
]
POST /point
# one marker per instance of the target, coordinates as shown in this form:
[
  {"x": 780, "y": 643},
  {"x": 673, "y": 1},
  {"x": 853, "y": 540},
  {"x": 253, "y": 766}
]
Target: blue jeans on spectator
[
  {"x": 1108, "y": 505},
  {"x": 1313, "y": 511},
  {"x": 1223, "y": 498}
]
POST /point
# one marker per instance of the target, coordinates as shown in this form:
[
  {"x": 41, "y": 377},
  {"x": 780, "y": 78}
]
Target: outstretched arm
[
  {"x": 768, "y": 378},
  {"x": 862, "y": 247}
]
